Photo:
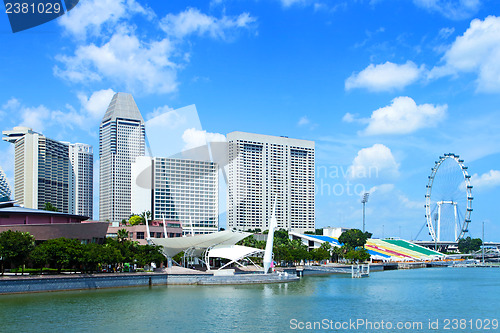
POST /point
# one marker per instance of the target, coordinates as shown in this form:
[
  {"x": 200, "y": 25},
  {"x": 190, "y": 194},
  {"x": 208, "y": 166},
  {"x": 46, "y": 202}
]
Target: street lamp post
[{"x": 364, "y": 201}]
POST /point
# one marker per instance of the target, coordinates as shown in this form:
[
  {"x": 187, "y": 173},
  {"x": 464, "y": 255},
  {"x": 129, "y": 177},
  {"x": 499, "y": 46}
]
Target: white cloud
[
  {"x": 374, "y": 162},
  {"x": 385, "y": 77},
  {"x": 289, "y": 3},
  {"x": 124, "y": 60},
  {"x": 452, "y": 9},
  {"x": 486, "y": 180},
  {"x": 97, "y": 103},
  {"x": 89, "y": 17},
  {"x": 303, "y": 121},
  {"x": 196, "y": 138},
  {"x": 404, "y": 116},
  {"x": 349, "y": 118},
  {"x": 35, "y": 117},
  {"x": 445, "y": 33},
  {"x": 192, "y": 21},
  {"x": 383, "y": 188},
  {"x": 476, "y": 51}
]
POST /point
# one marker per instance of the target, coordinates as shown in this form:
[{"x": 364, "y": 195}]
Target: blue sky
[{"x": 385, "y": 85}]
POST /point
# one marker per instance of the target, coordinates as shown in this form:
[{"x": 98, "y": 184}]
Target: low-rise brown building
[{"x": 156, "y": 230}]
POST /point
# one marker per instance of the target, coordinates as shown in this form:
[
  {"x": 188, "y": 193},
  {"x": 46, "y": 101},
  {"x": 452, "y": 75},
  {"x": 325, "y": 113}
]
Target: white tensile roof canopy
[
  {"x": 234, "y": 253},
  {"x": 199, "y": 243}
]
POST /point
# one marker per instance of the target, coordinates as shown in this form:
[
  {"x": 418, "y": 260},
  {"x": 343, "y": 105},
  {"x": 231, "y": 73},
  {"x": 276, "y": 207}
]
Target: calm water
[{"x": 396, "y": 296}]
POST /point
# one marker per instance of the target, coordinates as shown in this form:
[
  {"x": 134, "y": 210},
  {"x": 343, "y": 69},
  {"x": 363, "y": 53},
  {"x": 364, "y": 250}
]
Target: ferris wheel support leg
[
  {"x": 456, "y": 221},
  {"x": 439, "y": 223}
]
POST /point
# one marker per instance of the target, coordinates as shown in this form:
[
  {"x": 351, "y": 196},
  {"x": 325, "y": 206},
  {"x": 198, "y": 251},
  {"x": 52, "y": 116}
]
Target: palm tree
[{"x": 122, "y": 235}]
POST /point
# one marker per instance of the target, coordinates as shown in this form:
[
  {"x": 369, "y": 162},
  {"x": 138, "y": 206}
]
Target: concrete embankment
[{"x": 10, "y": 285}]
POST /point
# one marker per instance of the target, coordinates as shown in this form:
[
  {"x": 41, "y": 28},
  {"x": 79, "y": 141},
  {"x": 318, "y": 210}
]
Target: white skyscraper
[
  {"x": 49, "y": 171},
  {"x": 262, "y": 168},
  {"x": 178, "y": 189},
  {"x": 81, "y": 157},
  {"x": 121, "y": 140}
]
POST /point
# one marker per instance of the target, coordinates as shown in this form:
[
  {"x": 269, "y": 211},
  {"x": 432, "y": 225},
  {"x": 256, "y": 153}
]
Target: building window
[{"x": 140, "y": 235}]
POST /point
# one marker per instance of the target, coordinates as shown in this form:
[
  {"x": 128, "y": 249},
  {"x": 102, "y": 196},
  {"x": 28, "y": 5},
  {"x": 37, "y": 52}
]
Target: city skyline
[{"x": 383, "y": 87}]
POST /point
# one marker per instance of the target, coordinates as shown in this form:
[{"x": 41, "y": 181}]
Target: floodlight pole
[{"x": 364, "y": 201}]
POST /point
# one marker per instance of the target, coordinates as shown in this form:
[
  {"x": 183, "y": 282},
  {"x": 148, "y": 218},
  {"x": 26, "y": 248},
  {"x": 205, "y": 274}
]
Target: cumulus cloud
[
  {"x": 97, "y": 103},
  {"x": 196, "y": 138},
  {"x": 452, "y": 9},
  {"x": 476, "y": 51},
  {"x": 124, "y": 60},
  {"x": 111, "y": 49},
  {"x": 374, "y": 162},
  {"x": 486, "y": 180},
  {"x": 385, "y": 77},
  {"x": 404, "y": 116},
  {"x": 91, "y": 16},
  {"x": 192, "y": 21}
]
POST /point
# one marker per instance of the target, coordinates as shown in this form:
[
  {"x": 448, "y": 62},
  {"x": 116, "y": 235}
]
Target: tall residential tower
[
  {"x": 121, "y": 140},
  {"x": 263, "y": 168}
]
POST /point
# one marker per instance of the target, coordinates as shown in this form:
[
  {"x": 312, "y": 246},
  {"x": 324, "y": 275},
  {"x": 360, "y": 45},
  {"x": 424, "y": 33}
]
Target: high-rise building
[
  {"x": 263, "y": 169},
  {"x": 5, "y": 192},
  {"x": 178, "y": 190},
  {"x": 121, "y": 140},
  {"x": 81, "y": 157},
  {"x": 44, "y": 172}
]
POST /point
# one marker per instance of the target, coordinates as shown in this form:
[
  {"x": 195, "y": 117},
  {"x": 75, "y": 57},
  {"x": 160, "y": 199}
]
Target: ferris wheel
[{"x": 448, "y": 200}]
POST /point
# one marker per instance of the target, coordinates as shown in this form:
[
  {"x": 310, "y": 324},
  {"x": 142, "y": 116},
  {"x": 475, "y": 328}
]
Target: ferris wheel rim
[{"x": 466, "y": 221}]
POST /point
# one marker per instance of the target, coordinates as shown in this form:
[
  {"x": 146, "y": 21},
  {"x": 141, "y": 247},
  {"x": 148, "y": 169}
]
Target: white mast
[
  {"x": 268, "y": 254},
  {"x": 164, "y": 228}
]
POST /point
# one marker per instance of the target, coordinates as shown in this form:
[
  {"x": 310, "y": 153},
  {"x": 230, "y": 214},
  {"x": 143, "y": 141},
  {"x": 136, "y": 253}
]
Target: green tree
[
  {"x": 358, "y": 255},
  {"x": 354, "y": 238},
  {"x": 468, "y": 245},
  {"x": 146, "y": 254},
  {"x": 50, "y": 207},
  {"x": 59, "y": 253},
  {"x": 122, "y": 235},
  {"x": 136, "y": 220},
  {"x": 15, "y": 247}
]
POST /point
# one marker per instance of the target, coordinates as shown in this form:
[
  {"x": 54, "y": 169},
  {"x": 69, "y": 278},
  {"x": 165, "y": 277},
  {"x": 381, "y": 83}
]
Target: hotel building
[
  {"x": 262, "y": 168},
  {"x": 121, "y": 140},
  {"x": 81, "y": 157},
  {"x": 45, "y": 172},
  {"x": 177, "y": 190}
]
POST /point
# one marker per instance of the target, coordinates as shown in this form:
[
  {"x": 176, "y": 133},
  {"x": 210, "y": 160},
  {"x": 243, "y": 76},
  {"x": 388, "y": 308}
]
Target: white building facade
[
  {"x": 81, "y": 157},
  {"x": 121, "y": 140},
  {"x": 262, "y": 168},
  {"x": 178, "y": 190}
]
